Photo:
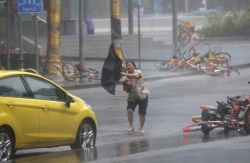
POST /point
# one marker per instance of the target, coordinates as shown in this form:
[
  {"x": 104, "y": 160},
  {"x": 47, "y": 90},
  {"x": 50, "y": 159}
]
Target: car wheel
[
  {"x": 86, "y": 135},
  {"x": 6, "y": 145}
]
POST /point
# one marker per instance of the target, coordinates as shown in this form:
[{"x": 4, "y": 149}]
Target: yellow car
[{"x": 35, "y": 112}]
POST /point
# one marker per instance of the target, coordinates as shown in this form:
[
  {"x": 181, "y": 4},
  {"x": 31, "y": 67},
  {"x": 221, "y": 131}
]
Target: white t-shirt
[{"x": 136, "y": 81}]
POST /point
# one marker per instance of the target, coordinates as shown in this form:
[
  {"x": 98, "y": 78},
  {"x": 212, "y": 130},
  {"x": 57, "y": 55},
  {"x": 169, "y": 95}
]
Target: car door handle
[
  {"x": 45, "y": 107},
  {"x": 10, "y": 104}
]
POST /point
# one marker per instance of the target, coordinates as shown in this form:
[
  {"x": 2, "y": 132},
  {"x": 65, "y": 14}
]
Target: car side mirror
[{"x": 68, "y": 100}]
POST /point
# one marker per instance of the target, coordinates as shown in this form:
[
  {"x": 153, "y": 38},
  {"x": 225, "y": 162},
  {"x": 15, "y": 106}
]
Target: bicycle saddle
[
  {"x": 196, "y": 54},
  {"x": 174, "y": 57},
  {"x": 207, "y": 55},
  {"x": 230, "y": 99}
]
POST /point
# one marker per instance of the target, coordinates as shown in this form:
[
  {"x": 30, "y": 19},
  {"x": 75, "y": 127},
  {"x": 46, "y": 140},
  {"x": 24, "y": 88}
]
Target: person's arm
[{"x": 135, "y": 75}]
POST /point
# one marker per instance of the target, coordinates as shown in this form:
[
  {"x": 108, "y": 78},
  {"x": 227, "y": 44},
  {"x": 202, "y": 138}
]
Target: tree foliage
[{"x": 228, "y": 24}]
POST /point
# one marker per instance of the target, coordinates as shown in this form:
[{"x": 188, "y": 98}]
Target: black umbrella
[{"x": 111, "y": 71}]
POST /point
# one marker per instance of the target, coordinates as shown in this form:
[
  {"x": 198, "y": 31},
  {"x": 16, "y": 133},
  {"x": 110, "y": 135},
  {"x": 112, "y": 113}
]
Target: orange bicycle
[
  {"x": 188, "y": 34},
  {"x": 169, "y": 64},
  {"x": 189, "y": 63}
]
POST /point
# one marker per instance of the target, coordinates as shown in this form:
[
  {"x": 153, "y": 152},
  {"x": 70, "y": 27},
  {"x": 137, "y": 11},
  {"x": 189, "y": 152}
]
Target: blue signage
[
  {"x": 29, "y": 6},
  {"x": 139, "y": 2}
]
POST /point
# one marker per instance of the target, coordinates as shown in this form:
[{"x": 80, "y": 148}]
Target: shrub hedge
[{"x": 231, "y": 24}]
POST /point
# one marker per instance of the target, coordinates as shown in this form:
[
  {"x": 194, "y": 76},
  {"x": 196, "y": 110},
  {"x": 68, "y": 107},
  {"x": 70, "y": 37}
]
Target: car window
[
  {"x": 13, "y": 87},
  {"x": 42, "y": 89}
]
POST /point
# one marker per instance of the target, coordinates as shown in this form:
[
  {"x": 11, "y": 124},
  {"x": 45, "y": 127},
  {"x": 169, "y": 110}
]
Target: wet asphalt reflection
[{"x": 126, "y": 148}]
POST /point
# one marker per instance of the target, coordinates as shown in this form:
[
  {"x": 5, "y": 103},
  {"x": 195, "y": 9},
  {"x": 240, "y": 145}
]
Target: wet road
[{"x": 171, "y": 104}]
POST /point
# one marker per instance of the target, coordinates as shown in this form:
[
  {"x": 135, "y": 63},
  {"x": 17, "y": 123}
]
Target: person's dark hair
[{"x": 133, "y": 63}]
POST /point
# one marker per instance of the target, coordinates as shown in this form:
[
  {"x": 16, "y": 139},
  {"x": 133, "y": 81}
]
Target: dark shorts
[{"x": 142, "y": 106}]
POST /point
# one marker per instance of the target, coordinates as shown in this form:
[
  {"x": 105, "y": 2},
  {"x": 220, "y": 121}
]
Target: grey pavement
[
  {"x": 157, "y": 150},
  {"x": 238, "y": 48}
]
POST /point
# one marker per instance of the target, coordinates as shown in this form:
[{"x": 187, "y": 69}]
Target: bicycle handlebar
[
  {"x": 184, "y": 53},
  {"x": 178, "y": 51},
  {"x": 180, "y": 54},
  {"x": 192, "y": 48}
]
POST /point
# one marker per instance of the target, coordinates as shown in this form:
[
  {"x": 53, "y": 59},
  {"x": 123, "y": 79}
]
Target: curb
[{"x": 95, "y": 85}]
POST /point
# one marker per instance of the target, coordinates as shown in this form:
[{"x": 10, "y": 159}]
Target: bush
[{"x": 228, "y": 24}]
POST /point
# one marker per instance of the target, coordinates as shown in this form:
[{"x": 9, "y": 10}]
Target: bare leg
[
  {"x": 130, "y": 120},
  {"x": 142, "y": 121}
]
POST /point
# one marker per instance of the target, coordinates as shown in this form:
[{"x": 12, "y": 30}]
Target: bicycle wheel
[
  {"x": 196, "y": 38},
  {"x": 223, "y": 57},
  {"x": 164, "y": 65},
  {"x": 184, "y": 38},
  {"x": 69, "y": 71},
  {"x": 94, "y": 74}
]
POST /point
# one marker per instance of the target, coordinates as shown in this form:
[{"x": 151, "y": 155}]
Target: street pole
[
  {"x": 36, "y": 44},
  {"x": 139, "y": 34},
  {"x": 186, "y": 6},
  {"x": 130, "y": 17},
  {"x": 8, "y": 35},
  {"x": 81, "y": 42},
  {"x": 116, "y": 33},
  {"x": 20, "y": 41},
  {"x": 174, "y": 25}
]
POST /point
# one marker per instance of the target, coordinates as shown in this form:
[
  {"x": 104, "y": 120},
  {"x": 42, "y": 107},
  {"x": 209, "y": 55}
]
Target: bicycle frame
[
  {"x": 211, "y": 69},
  {"x": 194, "y": 58}
]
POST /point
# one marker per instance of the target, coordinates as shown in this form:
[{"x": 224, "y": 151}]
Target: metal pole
[
  {"x": 174, "y": 24},
  {"x": 8, "y": 35},
  {"x": 139, "y": 34},
  {"x": 36, "y": 44},
  {"x": 85, "y": 9},
  {"x": 186, "y": 6},
  {"x": 20, "y": 41},
  {"x": 81, "y": 23},
  {"x": 130, "y": 17}
]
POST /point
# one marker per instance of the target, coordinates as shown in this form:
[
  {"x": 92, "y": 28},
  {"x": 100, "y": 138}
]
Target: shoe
[
  {"x": 141, "y": 131},
  {"x": 130, "y": 130},
  {"x": 241, "y": 130}
]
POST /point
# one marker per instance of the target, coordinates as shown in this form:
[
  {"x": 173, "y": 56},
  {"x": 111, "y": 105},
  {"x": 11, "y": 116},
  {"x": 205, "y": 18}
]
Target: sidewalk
[{"x": 238, "y": 48}]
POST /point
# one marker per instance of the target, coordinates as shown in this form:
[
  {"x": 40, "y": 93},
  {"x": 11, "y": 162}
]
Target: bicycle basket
[
  {"x": 223, "y": 108},
  {"x": 242, "y": 100},
  {"x": 187, "y": 24}
]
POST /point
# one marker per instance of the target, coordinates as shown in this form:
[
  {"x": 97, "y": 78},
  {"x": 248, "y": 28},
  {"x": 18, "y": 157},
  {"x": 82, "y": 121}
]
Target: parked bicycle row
[
  {"x": 13, "y": 49},
  {"x": 68, "y": 70},
  {"x": 211, "y": 63},
  {"x": 71, "y": 71}
]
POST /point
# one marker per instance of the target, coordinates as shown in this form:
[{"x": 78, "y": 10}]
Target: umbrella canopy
[{"x": 111, "y": 71}]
